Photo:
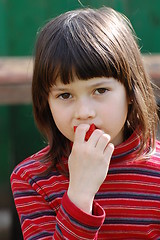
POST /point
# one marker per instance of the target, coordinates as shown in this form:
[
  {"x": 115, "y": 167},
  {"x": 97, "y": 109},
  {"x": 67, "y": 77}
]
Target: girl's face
[{"x": 102, "y": 101}]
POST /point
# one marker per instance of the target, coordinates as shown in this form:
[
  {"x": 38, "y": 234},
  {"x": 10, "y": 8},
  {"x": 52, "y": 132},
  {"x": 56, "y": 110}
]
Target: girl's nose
[{"x": 84, "y": 110}]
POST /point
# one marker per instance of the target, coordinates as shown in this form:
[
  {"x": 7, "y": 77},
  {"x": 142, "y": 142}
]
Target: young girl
[{"x": 88, "y": 71}]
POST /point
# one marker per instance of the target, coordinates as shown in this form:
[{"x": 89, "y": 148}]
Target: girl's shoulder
[
  {"x": 154, "y": 159},
  {"x": 157, "y": 145},
  {"x": 33, "y": 178},
  {"x": 157, "y": 150},
  {"x": 33, "y": 165}
]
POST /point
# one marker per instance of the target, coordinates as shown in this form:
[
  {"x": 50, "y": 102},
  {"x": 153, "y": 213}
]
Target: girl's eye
[
  {"x": 100, "y": 91},
  {"x": 65, "y": 96}
]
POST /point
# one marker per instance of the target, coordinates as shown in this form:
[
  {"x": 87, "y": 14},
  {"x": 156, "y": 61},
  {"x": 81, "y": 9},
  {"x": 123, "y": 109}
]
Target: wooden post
[{"x": 16, "y": 78}]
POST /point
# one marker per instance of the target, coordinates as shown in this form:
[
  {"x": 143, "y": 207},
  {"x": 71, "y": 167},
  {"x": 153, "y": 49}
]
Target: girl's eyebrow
[
  {"x": 55, "y": 88},
  {"x": 90, "y": 85},
  {"x": 107, "y": 81}
]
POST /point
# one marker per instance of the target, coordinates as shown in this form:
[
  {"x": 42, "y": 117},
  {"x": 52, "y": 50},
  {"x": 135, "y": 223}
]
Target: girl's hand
[{"x": 88, "y": 166}]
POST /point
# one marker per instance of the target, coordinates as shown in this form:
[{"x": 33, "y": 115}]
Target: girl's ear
[
  {"x": 130, "y": 98},
  {"x": 130, "y": 101}
]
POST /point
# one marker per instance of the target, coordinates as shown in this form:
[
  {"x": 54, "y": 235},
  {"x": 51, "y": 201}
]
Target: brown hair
[{"x": 91, "y": 43}]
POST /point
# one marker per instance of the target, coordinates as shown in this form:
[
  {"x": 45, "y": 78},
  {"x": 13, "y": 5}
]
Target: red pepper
[{"x": 89, "y": 132}]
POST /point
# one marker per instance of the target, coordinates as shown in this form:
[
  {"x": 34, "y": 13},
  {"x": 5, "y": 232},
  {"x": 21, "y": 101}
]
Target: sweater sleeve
[{"x": 40, "y": 221}]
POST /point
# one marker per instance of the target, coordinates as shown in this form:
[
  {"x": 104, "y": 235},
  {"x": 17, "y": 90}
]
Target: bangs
[
  {"x": 83, "y": 61},
  {"x": 78, "y": 49}
]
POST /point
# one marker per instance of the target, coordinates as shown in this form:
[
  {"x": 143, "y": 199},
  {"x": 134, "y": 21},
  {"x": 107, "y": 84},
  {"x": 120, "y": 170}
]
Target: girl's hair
[{"x": 90, "y": 43}]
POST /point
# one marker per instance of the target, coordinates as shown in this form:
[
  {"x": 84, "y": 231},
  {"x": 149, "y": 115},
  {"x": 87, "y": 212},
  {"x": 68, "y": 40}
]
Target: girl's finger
[
  {"x": 109, "y": 150},
  {"x": 103, "y": 142},
  {"x": 80, "y": 132},
  {"x": 95, "y": 136}
]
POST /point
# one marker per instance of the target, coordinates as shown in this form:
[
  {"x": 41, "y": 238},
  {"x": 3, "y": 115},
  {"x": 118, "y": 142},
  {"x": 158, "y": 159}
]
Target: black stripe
[
  {"x": 43, "y": 177},
  {"x": 40, "y": 235},
  {"x": 53, "y": 196},
  {"x": 140, "y": 171},
  {"x": 126, "y": 153},
  {"x": 37, "y": 215},
  {"x": 25, "y": 194},
  {"x": 136, "y": 221},
  {"x": 126, "y": 195}
]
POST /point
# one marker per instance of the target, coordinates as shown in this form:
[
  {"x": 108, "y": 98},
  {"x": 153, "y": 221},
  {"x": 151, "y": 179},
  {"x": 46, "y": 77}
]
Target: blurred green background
[{"x": 19, "y": 23}]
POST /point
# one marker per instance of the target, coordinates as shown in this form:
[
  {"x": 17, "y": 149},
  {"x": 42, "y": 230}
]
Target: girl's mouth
[{"x": 89, "y": 132}]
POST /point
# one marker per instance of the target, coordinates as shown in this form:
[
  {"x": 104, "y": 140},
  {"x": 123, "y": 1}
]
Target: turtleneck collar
[
  {"x": 124, "y": 151},
  {"x": 128, "y": 147}
]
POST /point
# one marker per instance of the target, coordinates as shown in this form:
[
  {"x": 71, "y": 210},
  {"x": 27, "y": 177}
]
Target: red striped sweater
[{"x": 127, "y": 205}]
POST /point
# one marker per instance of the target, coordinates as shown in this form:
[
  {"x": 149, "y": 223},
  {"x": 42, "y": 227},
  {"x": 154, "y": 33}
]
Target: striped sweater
[{"x": 127, "y": 205}]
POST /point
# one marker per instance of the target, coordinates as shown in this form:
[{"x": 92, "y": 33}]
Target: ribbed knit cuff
[{"x": 95, "y": 220}]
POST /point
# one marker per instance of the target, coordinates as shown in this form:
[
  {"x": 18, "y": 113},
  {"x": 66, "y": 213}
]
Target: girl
[{"x": 88, "y": 71}]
